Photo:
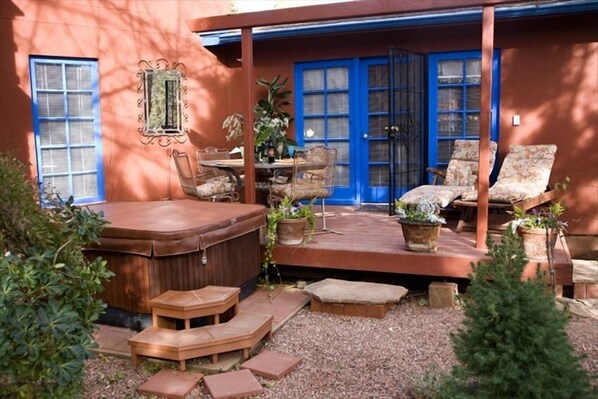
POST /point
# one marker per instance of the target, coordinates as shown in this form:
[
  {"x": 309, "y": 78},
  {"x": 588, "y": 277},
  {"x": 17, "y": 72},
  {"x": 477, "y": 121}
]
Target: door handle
[{"x": 365, "y": 136}]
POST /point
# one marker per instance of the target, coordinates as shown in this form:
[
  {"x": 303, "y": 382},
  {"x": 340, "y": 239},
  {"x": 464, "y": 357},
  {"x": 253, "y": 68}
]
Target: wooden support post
[
  {"x": 248, "y": 119},
  {"x": 485, "y": 125}
]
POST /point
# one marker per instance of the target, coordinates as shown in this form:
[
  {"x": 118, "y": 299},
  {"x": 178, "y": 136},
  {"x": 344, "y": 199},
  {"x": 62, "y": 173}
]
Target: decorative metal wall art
[{"x": 162, "y": 101}]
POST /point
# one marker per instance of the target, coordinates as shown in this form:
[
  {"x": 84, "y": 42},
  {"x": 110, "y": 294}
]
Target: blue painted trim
[
  {"x": 438, "y": 18},
  {"x": 99, "y": 171}
]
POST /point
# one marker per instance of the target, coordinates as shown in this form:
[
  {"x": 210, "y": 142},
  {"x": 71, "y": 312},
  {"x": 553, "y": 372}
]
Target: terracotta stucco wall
[{"x": 118, "y": 34}]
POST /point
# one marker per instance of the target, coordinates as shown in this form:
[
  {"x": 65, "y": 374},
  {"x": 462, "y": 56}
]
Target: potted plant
[
  {"x": 420, "y": 224},
  {"x": 539, "y": 229},
  {"x": 287, "y": 224},
  {"x": 271, "y": 121}
]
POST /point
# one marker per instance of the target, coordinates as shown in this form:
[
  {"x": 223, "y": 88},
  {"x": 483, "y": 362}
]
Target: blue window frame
[
  {"x": 66, "y": 120},
  {"x": 454, "y": 81}
]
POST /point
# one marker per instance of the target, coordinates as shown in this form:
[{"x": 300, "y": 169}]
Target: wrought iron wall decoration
[{"x": 162, "y": 101}]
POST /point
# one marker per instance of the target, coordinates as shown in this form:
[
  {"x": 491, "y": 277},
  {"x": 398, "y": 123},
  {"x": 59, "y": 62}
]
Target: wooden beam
[
  {"x": 332, "y": 11},
  {"x": 248, "y": 119},
  {"x": 485, "y": 125}
]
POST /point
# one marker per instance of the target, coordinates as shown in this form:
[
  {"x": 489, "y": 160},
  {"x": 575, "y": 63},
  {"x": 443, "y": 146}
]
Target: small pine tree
[{"x": 513, "y": 342}]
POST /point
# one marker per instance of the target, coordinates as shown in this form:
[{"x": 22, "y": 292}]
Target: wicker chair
[
  {"x": 312, "y": 178},
  {"x": 205, "y": 186}
]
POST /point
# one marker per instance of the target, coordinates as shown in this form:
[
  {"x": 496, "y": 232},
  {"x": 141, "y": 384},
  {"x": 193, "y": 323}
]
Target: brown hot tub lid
[{"x": 164, "y": 228}]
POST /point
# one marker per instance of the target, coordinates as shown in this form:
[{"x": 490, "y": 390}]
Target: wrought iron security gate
[{"x": 407, "y": 119}]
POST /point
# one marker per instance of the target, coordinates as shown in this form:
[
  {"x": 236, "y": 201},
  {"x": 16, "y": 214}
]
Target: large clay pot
[
  {"x": 420, "y": 236},
  {"x": 534, "y": 240},
  {"x": 291, "y": 231}
]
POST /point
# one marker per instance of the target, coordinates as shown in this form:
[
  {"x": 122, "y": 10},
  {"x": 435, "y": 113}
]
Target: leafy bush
[
  {"x": 513, "y": 342},
  {"x": 47, "y": 289}
]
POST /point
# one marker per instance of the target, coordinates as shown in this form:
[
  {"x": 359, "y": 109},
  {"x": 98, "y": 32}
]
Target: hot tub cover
[{"x": 165, "y": 228}]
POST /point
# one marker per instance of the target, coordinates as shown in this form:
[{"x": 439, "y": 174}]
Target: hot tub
[{"x": 153, "y": 247}]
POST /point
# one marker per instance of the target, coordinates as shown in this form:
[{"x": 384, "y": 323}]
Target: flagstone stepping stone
[
  {"x": 235, "y": 384},
  {"x": 271, "y": 365},
  {"x": 172, "y": 384},
  {"x": 353, "y": 298}
]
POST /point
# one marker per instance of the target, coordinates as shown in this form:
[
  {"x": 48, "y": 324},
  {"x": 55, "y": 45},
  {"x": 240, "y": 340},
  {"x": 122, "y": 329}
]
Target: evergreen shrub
[
  {"x": 48, "y": 289},
  {"x": 513, "y": 342}
]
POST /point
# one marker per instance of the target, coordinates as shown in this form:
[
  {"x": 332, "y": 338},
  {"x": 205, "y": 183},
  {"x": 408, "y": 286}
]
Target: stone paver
[
  {"x": 235, "y": 384},
  {"x": 171, "y": 384},
  {"x": 272, "y": 365},
  {"x": 340, "y": 291}
]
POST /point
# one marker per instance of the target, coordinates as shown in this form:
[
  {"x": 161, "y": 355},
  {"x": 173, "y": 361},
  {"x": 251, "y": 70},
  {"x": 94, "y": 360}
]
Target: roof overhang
[{"x": 441, "y": 17}]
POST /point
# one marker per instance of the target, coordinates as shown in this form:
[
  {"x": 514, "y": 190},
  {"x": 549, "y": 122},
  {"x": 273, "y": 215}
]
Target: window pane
[
  {"x": 82, "y": 159},
  {"x": 472, "y": 125},
  {"x": 81, "y": 132},
  {"x": 377, "y": 126},
  {"x": 52, "y": 132},
  {"x": 85, "y": 185},
  {"x": 342, "y": 176},
  {"x": 473, "y": 97},
  {"x": 450, "y": 124},
  {"x": 57, "y": 185},
  {"x": 313, "y": 104},
  {"x": 378, "y": 176},
  {"x": 78, "y": 77},
  {"x": 450, "y": 99},
  {"x": 315, "y": 127},
  {"x": 80, "y": 104},
  {"x": 378, "y": 151},
  {"x": 54, "y": 161},
  {"x": 473, "y": 72},
  {"x": 378, "y": 76},
  {"x": 313, "y": 79},
  {"x": 338, "y": 103},
  {"x": 50, "y": 105},
  {"x": 342, "y": 152},
  {"x": 378, "y": 101},
  {"x": 48, "y": 76},
  {"x": 337, "y": 78},
  {"x": 445, "y": 149},
  {"x": 450, "y": 72},
  {"x": 338, "y": 127}
]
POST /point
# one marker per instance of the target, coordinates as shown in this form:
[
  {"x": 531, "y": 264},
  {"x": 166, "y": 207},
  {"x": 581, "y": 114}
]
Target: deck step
[
  {"x": 243, "y": 331},
  {"x": 186, "y": 305}
]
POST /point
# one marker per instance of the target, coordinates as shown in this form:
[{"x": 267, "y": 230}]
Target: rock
[
  {"x": 341, "y": 291},
  {"x": 585, "y": 271},
  {"x": 584, "y": 308}
]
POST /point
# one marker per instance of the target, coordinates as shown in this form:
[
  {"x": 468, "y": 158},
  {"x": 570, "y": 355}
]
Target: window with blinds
[
  {"x": 67, "y": 127},
  {"x": 455, "y": 92}
]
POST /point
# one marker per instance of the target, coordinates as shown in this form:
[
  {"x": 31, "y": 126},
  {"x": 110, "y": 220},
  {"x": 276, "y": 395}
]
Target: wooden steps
[{"x": 242, "y": 332}]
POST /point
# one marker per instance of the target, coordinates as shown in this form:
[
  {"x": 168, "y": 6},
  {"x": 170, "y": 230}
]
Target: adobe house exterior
[{"x": 545, "y": 73}]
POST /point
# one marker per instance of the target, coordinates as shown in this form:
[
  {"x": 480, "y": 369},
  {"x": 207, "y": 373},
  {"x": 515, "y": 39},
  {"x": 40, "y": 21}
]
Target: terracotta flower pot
[
  {"x": 534, "y": 240},
  {"x": 420, "y": 236},
  {"x": 291, "y": 231}
]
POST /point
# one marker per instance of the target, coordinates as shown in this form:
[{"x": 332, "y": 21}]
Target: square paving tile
[
  {"x": 272, "y": 365},
  {"x": 171, "y": 384},
  {"x": 236, "y": 384}
]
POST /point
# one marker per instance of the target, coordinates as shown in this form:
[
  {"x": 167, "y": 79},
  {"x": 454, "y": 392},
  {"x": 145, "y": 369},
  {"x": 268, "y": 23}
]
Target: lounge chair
[
  {"x": 461, "y": 175},
  {"x": 522, "y": 182}
]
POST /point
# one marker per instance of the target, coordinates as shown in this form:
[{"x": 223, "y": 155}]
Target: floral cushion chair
[
  {"x": 460, "y": 175},
  {"x": 205, "y": 186},
  {"x": 524, "y": 174}
]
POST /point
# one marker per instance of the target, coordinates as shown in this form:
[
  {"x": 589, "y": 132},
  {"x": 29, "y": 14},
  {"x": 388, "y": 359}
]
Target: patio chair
[
  {"x": 522, "y": 182},
  {"x": 206, "y": 185},
  {"x": 215, "y": 154},
  {"x": 312, "y": 178},
  {"x": 460, "y": 175}
]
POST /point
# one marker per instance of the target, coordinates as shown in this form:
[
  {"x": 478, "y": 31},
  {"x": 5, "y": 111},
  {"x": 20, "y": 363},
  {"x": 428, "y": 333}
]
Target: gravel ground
[{"x": 345, "y": 357}]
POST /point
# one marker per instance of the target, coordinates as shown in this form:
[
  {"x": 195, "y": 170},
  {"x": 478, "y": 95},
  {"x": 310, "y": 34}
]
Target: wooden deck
[{"x": 373, "y": 242}]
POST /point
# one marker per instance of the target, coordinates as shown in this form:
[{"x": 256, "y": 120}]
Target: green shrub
[
  {"x": 47, "y": 289},
  {"x": 513, "y": 342}
]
